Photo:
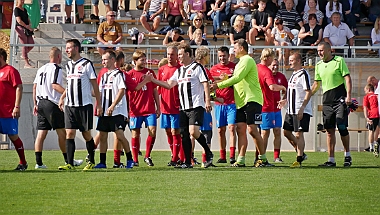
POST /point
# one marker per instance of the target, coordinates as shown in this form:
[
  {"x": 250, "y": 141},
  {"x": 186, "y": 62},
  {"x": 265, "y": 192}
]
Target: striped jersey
[
  {"x": 109, "y": 85},
  {"x": 297, "y": 84},
  {"x": 46, "y": 76},
  {"x": 190, "y": 87},
  {"x": 155, "y": 5},
  {"x": 78, "y": 89}
]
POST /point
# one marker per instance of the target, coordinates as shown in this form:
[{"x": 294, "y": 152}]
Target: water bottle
[{"x": 204, "y": 36}]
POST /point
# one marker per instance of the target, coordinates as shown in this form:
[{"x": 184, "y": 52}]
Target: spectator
[
  {"x": 43, "y": 10},
  {"x": 364, "y": 10},
  {"x": 34, "y": 13},
  {"x": 173, "y": 36},
  {"x": 303, "y": 6},
  {"x": 238, "y": 31},
  {"x": 374, "y": 9},
  {"x": 117, "y": 5},
  {"x": 68, "y": 9},
  {"x": 241, "y": 7},
  {"x": 109, "y": 33},
  {"x": 290, "y": 19},
  {"x": 375, "y": 34},
  {"x": 175, "y": 13},
  {"x": 197, "y": 24},
  {"x": 95, "y": 4},
  {"x": 142, "y": 4},
  {"x": 196, "y": 8},
  {"x": 153, "y": 10},
  {"x": 311, "y": 33},
  {"x": 332, "y": 7},
  {"x": 198, "y": 40},
  {"x": 313, "y": 10},
  {"x": 218, "y": 15},
  {"x": 261, "y": 24},
  {"x": 371, "y": 114},
  {"x": 282, "y": 36},
  {"x": 351, "y": 10},
  {"x": 24, "y": 31},
  {"x": 337, "y": 33}
]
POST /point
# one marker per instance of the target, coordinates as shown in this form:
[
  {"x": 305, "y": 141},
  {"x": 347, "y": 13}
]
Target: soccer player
[
  {"x": 375, "y": 83},
  {"x": 10, "y": 96},
  {"x": 271, "y": 117},
  {"x": 81, "y": 77},
  {"x": 371, "y": 114},
  {"x": 194, "y": 94},
  {"x": 47, "y": 90},
  {"x": 299, "y": 111},
  {"x": 169, "y": 104},
  {"x": 249, "y": 101},
  {"x": 333, "y": 74},
  {"x": 112, "y": 90},
  {"x": 143, "y": 107},
  {"x": 280, "y": 80}
]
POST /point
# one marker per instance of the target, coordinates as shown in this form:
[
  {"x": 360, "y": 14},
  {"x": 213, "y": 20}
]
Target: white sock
[
  {"x": 371, "y": 145},
  {"x": 346, "y": 154},
  {"x": 331, "y": 159}
]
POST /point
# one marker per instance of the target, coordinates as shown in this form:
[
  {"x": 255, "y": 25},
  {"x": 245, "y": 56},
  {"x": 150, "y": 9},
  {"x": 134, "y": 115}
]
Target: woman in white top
[
  {"x": 331, "y": 7},
  {"x": 313, "y": 10},
  {"x": 375, "y": 34},
  {"x": 282, "y": 36}
]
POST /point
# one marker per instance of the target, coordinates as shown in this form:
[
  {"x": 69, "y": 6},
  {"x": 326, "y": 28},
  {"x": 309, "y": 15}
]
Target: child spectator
[
  {"x": 375, "y": 34},
  {"x": 331, "y": 7},
  {"x": 371, "y": 114}
]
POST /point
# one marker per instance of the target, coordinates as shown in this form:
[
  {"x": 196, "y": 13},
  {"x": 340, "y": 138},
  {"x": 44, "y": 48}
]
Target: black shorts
[
  {"x": 111, "y": 123},
  {"x": 192, "y": 116},
  {"x": 249, "y": 113},
  {"x": 291, "y": 123},
  {"x": 49, "y": 116},
  {"x": 79, "y": 117},
  {"x": 334, "y": 115},
  {"x": 375, "y": 123}
]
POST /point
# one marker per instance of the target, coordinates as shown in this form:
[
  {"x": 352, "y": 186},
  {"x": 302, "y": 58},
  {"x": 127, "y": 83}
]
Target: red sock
[
  {"x": 176, "y": 146},
  {"x": 170, "y": 141},
  {"x": 181, "y": 153},
  {"x": 203, "y": 157},
  {"x": 232, "y": 152},
  {"x": 135, "y": 148},
  {"x": 116, "y": 156},
  {"x": 222, "y": 153},
  {"x": 257, "y": 154},
  {"x": 276, "y": 153},
  {"x": 149, "y": 145},
  {"x": 19, "y": 146}
]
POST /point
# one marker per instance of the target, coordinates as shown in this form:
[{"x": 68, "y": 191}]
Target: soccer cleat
[
  {"x": 278, "y": 160},
  {"x": 78, "y": 162},
  {"x": 232, "y": 160},
  {"x": 148, "y": 161},
  {"x": 220, "y": 160},
  {"x": 129, "y": 164},
  {"x": 140, "y": 153},
  {"x": 66, "y": 167},
  {"x": 43, "y": 166},
  {"x": 259, "y": 163},
  {"x": 195, "y": 161},
  {"x": 89, "y": 166},
  {"x": 21, "y": 167},
  {"x": 267, "y": 164},
  {"x": 237, "y": 164},
  {"x": 120, "y": 165},
  {"x": 172, "y": 163},
  {"x": 347, "y": 161},
  {"x": 87, "y": 158},
  {"x": 376, "y": 150},
  {"x": 209, "y": 160},
  {"x": 136, "y": 164},
  {"x": 296, "y": 164},
  {"x": 184, "y": 166},
  {"x": 100, "y": 166},
  {"x": 328, "y": 164},
  {"x": 203, "y": 165},
  {"x": 304, "y": 157}
]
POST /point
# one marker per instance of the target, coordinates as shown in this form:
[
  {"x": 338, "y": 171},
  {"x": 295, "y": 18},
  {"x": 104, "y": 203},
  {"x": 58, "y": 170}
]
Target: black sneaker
[
  {"x": 328, "y": 164},
  {"x": 172, "y": 163},
  {"x": 68, "y": 21},
  {"x": 21, "y": 167},
  {"x": 140, "y": 153},
  {"x": 304, "y": 157},
  {"x": 209, "y": 160},
  {"x": 122, "y": 153},
  {"x": 267, "y": 164},
  {"x": 195, "y": 161},
  {"x": 184, "y": 166},
  {"x": 347, "y": 161},
  {"x": 120, "y": 165},
  {"x": 148, "y": 161},
  {"x": 220, "y": 160},
  {"x": 232, "y": 160},
  {"x": 367, "y": 149}
]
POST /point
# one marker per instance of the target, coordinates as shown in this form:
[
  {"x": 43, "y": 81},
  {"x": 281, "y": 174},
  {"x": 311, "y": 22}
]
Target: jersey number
[{"x": 42, "y": 78}]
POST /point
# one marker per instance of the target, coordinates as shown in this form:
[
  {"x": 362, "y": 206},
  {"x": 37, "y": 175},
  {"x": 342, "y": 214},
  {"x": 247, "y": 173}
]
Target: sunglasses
[
  {"x": 112, "y": 15},
  {"x": 198, "y": 19}
]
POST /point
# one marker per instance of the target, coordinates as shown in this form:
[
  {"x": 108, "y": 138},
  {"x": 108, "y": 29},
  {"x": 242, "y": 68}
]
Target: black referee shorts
[
  {"x": 79, "y": 117},
  {"x": 291, "y": 123},
  {"x": 192, "y": 116},
  {"x": 249, "y": 113},
  {"x": 334, "y": 115},
  {"x": 49, "y": 116},
  {"x": 111, "y": 123}
]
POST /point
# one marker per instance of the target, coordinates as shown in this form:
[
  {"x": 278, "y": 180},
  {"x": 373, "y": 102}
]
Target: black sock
[
  {"x": 129, "y": 156},
  {"x": 91, "y": 150},
  {"x": 378, "y": 140},
  {"x": 65, "y": 157},
  {"x": 38, "y": 158},
  {"x": 103, "y": 158},
  {"x": 70, "y": 148},
  {"x": 299, "y": 159},
  {"x": 186, "y": 146},
  {"x": 202, "y": 141}
]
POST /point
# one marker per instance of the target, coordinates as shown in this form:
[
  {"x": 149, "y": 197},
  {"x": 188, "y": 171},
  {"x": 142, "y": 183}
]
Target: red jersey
[
  {"x": 370, "y": 101},
  {"x": 266, "y": 79},
  {"x": 280, "y": 80},
  {"x": 227, "y": 93},
  {"x": 9, "y": 79},
  {"x": 169, "y": 98},
  {"x": 141, "y": 102}
]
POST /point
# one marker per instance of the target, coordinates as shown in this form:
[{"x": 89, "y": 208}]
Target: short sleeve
[
  {"x": 15, "y": 77},
  {"x": 120, "y": 81},
  {"x": 129, "y": 83},
  {"x": 232, "y": 1},
  {"x": 201, "y": 74},
  {"x": 118, "y": 28},
  {"x": 175, "y": 76},
  {"x": 91, "y": 71},
  {"x": 305, "y": 80},
  {"x": 100, "y": 29}
]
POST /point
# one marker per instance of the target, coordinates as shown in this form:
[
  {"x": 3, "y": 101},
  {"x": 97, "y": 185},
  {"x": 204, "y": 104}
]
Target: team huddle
[{"x": 247, "y": 96}]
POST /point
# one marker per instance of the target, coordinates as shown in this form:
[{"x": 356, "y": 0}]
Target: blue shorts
[
  {"x": 8, "y": 126},
  {"x": 136, "y": 122},
  {"x": 96, "y": 2},
  {"x": 169, "y": 121},
  {"x": 271, "y": 120},
  {"x": 207, "y": 122},
  {"x": 150, "y": 13},
  {"x": 105, "y": 48},
  {"x": 77, "y": 2},
  {"x": 225, "y": 115}
]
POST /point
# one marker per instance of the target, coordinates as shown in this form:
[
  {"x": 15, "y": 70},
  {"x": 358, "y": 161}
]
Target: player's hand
[
  {"x": 60, "y": 104},
  {"x": 152, "y": 16},
  {"x": 16, "y": 112},
  {"x": 148, "y": 77},
  {"x": 281, "y": 103},
  {"x": 208, "y": 106},
  {"x": 110, "y": 110},
  {"x": 300, "y": 113},
  {"x": 369, "y": 121},
  {"x": 158, "y": 113},
  {"x": 99, "y": 110},
  {"x": 348, "y": 100},
  {"x": 35, "y": 109}
]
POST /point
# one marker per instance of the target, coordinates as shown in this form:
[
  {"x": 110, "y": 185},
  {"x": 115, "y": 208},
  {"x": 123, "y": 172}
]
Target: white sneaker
[
  {"x": 278, "y": 160},
  {"x": 128, "y": 14},
  {"x": 78, "y": 162},
  {"x": 43, "y": 166}
]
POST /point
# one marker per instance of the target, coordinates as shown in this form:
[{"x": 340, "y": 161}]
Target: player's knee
[{"x": 342, "y": 130}]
